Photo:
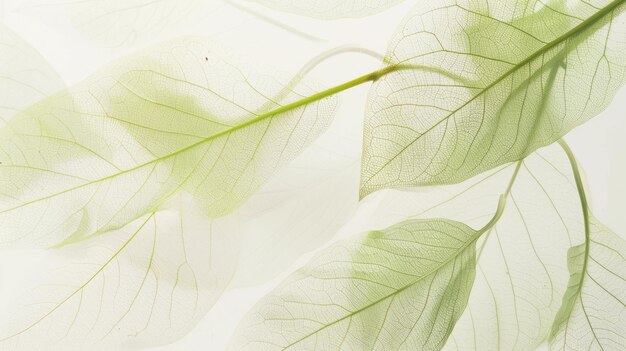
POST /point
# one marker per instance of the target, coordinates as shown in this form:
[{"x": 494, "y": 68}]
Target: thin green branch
[
  {"x": 585, "y": 206},
  {"x": 501, "y": 202},
  {"x": 370, "y": 77}
]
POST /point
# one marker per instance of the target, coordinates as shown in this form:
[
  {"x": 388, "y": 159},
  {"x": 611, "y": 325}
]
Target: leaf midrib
[
  {"x": 475, "y": 235},
  {"x": 312, "y": 98},
  {"x": 87, "y": 282},
  {"x": 572, "y": 32}
]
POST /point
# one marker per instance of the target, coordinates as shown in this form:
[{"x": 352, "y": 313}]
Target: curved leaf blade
[
  {"x": 146, "y": 284},
  {"x": 480, "y": 94},
  {"x": 399, "y": 288},
  {"x": 593, "y": 314},
  {"x": 97, "y": 156},
  {"x": 520, "y": 273}
]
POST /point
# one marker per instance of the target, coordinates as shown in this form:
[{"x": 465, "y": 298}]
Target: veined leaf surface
[
  {"x": 524, "y": 248},
  {"x": 330, "y": 9},
  {"x": 593, "y": 314},
  {"x": 97, "y": 156},
  {"x": 400, "y": 288},
  {"x": 25, "y": 76},
  {"x": 493, "y": 81},
  {"x": 146, "y": 284},
  {"x": 521, "y": 271}
]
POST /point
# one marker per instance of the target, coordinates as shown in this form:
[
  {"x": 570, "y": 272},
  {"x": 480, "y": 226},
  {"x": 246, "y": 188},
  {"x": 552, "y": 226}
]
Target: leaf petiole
[{"x": 583, "y": 201}]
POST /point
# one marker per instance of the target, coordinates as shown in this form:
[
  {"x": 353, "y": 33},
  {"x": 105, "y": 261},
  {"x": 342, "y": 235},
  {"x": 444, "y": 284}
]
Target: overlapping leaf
[
  {"x": 95, "y": 157},
  {"x": 521, "y": 272},
  {"x": 400, "y": 288},
  {"x": 146, "y": 284},
  {"x": 593, "y": 315},
  {"x": 331, "y": 9},
  {"x": 493, "y": 81},
  {"x": 25, "y": 76}
]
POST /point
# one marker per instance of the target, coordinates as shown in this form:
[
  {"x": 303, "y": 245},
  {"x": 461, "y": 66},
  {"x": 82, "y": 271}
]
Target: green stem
[
  {"x": 312, "y": 64},
  {"x": 469, "y": 242},
  {"x": 370, "y": 77},
  {"x": 583, "y": 201},
  {"x": 581, "y": 193},
  {"x": 501, "y": 202}
]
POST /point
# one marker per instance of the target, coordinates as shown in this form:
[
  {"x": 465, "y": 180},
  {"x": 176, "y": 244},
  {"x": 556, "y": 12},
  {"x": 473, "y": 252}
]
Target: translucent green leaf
[
  {"x": 399, "y": 288},
  {"x": 492, "y": 82},
  {"x": 25, "y": 76},
  {"x": 115, "y": 147},
  {"x": 520, "y": 272},
  {"x": 148, "y": 283},
  {"x": 593, "y": 314},
  {"x": 330, "y": 9}
]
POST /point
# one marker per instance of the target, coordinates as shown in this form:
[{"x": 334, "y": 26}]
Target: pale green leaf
[
  {"x": 25, "y": 76},
  {"x": 146, "y": 284},
  {"x": 330, "y": 9},
  {"x": 521, "y": 271},
  {"x": 491, "y": 82},
  {"x": 593, "y": 314},
  {"x": 115, "y": 147},
  {"x": 401, "y": 288}
]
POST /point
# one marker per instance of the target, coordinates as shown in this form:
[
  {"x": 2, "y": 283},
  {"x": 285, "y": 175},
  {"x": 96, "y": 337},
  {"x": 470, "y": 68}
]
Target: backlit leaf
[
  {"x": 593, "y": 315},
  {"x": 493, "y": 81},
  {"x": 115, "y": 147},
  {"x": 401, "y": 288},
  {"x": 146, "y": 284},
  {"x": 520, "y": 273}
]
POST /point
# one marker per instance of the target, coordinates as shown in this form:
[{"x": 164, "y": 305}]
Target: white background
[{"x": 599, "y": 144}]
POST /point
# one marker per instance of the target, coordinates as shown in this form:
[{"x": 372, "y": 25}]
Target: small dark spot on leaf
[{"x": 206, "y": 58}]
